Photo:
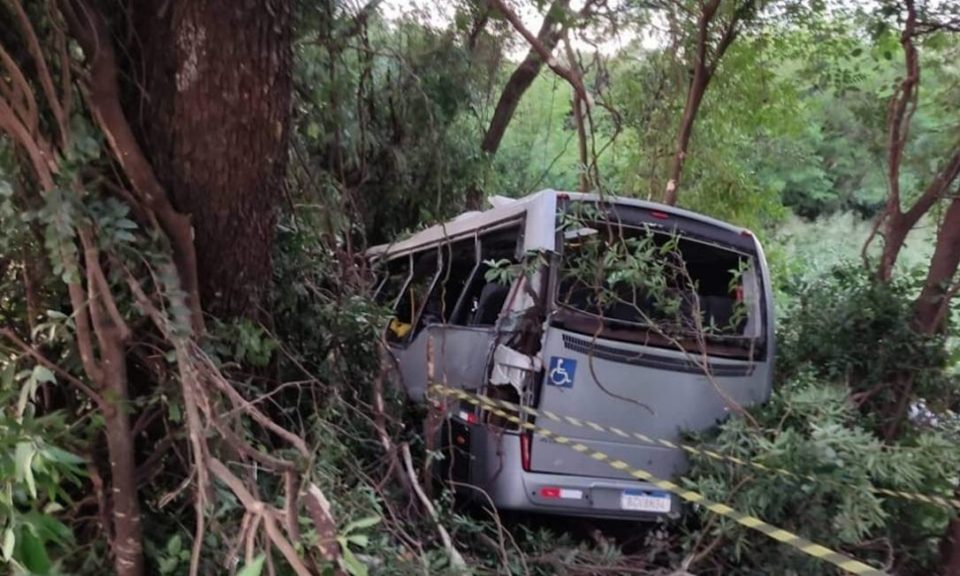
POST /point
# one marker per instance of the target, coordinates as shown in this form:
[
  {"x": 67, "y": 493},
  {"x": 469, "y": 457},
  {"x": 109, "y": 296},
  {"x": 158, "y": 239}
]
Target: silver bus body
[{"x": 520, "y": 341}]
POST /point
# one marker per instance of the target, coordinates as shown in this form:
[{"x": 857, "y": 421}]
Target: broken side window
[
  {"x": 414, "y": 295},
  {"x": 395, "y": 273},
  {"x": 459, "y": 262},
  {"x": 483, "y": 299}
]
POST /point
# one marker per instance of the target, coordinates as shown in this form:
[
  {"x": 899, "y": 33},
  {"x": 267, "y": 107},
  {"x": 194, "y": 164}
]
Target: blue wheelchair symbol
[{"x": 562, "y": 372}]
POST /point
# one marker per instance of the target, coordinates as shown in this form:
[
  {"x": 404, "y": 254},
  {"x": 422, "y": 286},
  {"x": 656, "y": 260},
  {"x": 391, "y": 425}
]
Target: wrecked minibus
[{"x": 619, "y": 312}]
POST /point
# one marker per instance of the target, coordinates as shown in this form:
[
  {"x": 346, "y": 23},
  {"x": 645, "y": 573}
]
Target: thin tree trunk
[
  {"x": 128, "y": 532},
  {"x": 585, "y": 183},
  {"x": 519, "y": 82},
  {"x": 579, "y": 123},
  {"x": 933, "y": 302},
  {"x": 895, "y": 230},
  {"x": 702, "y": 74},
  {"x": 523, "y": 76},
  {"x": 698, "y": 86}
]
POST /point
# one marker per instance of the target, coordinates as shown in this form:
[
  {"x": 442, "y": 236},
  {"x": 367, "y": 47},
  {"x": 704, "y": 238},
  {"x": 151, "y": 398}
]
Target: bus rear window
[{"x": 673, "y": 286}]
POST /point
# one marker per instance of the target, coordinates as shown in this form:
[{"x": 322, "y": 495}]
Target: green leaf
[
  {"x": 351, "y": 564},
  {"x": 174, "y": 545},
  {"x": 361, "y": 524},
  {"x": 62, "y": 456},
  {"x": 9, "y": 541},
  {"x": 43, "y": 374},
  {"x": 23, "y": 461},
  {"x": 359, "y": 540},
  {"x": 48, "y": 528},
  {"x": 26, "y": 393},
  {"x": 31, "y": 552},
  {"x": 254, "y": 568},
  {"x": 7, "y": 375}
]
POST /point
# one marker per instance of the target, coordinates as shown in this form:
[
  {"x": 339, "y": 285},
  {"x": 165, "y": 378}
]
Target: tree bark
[
  {"x": 932, "y": 303},
  {"x": 218, "y": 83},
  {"x": 898, "y": 224},
  {"x": 127, "y": 528}
]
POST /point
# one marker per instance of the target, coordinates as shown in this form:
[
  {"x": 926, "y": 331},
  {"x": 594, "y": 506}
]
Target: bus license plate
[{"x": 644, "y": 501}]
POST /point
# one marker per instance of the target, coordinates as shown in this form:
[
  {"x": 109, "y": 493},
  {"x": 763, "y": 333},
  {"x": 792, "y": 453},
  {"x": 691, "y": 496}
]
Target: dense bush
[
  {"x": 847, "y": 328},
  {"x": 842, "y": 345}
]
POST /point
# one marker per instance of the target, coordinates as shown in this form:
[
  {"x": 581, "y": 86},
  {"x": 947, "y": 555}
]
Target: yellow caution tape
[
  {"x": 800, "y": 543},
  {"x": 933, "y": 499}
]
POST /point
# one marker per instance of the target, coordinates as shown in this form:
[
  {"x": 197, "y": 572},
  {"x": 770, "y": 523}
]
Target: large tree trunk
[
  {"x": 218, "y": 89},
  {"x": 932, "y": 308}
]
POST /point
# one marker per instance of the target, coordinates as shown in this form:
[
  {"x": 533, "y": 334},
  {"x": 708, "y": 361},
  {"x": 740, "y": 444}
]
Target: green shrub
[
  {"x": 811, "y": 429},
  {"x": 846, "y": 327}
]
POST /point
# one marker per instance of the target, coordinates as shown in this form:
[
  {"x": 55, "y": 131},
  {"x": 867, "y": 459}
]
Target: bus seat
[{"x": 490, "y": 303}]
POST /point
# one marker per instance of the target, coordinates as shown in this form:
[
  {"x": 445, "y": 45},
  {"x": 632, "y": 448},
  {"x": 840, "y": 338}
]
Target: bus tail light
[
  {"x": 525, "y": 451},
  {"x": 468, "y": 417}
]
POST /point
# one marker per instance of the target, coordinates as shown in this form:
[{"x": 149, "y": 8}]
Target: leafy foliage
[
  {"x": 389, "y": 115},
  {"x": 847, "y": 328},
  {"x": 810, "y": 428}
]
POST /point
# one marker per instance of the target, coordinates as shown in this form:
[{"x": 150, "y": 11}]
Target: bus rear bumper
[{"x": 510, "y": 487}]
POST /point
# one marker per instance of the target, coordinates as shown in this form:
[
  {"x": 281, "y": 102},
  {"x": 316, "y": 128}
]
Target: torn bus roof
[{"x": 538, "y": 209}]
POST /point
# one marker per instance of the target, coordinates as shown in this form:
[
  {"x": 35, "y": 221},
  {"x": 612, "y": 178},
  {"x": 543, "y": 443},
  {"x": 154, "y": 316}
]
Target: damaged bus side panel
[{"x": 545, "y": 302}]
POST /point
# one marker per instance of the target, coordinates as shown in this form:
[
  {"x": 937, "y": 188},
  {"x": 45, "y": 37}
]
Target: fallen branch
[
  {"x": 456, "y": 559},
  {"x": 260, "y": 509}
]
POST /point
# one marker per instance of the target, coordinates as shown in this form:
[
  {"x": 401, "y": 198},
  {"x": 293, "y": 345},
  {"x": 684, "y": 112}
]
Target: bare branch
[
  {"x": 43, "y": 73},
  {"x": 19, "y": 95},
  {"x": 104, "y": 101},
  {"x": 456, "y": 560},
  {"x": 40, "y": 157},
  {"x": 255, "y": 506},
  {"x": 541, "y": 50}
]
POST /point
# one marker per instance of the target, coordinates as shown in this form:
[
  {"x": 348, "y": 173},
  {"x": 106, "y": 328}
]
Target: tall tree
[
  {"x": 556, "y": 21},
  {"x": 718, "y": 23},
  {"x": 217, "y": 78},
  {"x": 895, "y": 223},
  {"x": 548, "y": 37},
  {"x": 214, "y": 123}
]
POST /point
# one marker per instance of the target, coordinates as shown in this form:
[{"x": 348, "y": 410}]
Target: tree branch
[
  {"x": 104, "y": 102},
  {"x": 541, "y": 50},
  {"x": 43, "y": 73},
  {"x": 43, "y": 361},
  {"x": 20, "y": 94},
  {"x": 258, "y": 508}
]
